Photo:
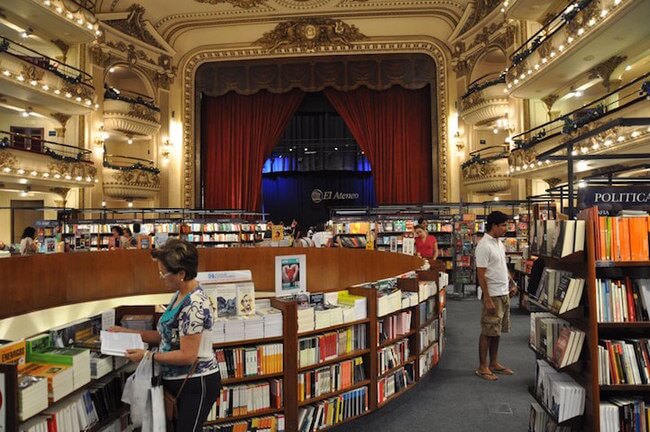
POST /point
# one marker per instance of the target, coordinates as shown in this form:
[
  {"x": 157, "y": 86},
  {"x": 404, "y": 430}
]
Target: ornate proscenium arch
[{"x": 191, "y": 63}]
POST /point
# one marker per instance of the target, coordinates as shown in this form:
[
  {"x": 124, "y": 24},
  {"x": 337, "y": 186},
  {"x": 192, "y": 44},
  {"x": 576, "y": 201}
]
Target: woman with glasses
[{"x": 179, "y": 333}]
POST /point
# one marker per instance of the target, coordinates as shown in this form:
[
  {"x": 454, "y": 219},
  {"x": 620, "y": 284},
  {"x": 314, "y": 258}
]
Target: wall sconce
[
  {"x": 166, "y": 151},
  {"x": 458, "y": 141},
  {"x": 100, "y": 140}
]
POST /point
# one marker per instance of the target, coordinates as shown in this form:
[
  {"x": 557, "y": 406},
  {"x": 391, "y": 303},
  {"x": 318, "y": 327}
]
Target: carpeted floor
[{"x": 451, "y": 397}]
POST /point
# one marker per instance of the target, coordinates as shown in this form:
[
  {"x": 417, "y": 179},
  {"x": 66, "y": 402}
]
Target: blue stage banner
[{"x": 308, "y": 196}]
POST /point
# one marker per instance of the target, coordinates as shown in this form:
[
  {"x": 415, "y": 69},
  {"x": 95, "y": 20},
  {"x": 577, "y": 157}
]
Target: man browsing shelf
[{"x": 495, "y": 282}]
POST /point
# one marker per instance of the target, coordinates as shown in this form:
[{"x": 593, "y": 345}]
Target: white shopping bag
[
  {"x": 158, "y": 409},
  {"x": 136, "y": 391}
]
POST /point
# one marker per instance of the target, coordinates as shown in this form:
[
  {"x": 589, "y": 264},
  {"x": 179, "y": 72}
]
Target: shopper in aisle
[
  {"x": 129, "y": 241},
  {"x": 117, "y": 239},
  {"x": 497, "y": 287},
  {"x": 423, "y": 222},
  {"x": 28, "y": 246},
  {"x": 426, "y": 245},
  {"x": 180, "y": 329}
]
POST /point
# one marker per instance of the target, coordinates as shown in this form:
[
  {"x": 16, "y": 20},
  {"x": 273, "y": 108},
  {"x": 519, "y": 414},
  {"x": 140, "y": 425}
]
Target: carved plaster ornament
[
  {"x": 605, "y": 69},
  {"x": 242, "y": 4},
  {"x": 134, "y": 25},
  {"x": 310, "y": 34},
  {"x": 62, "y": 119}
]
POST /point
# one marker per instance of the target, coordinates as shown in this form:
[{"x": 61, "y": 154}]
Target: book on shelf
[
  {"x": 39, "y": 349},
  {"x": 394, "y": 326},
  {"x": 549, "y": 287},
  {"x": 568, "y": 347},
  {"x": 428, "y": 359},
  {"x": 560, "y": 393},
  {"x": 249, "y": 361},
  {"x": 540, "y": 421},
  {"x": 428, "y": 310},
  {"x": 247, "y": 399},
  {"x": 332, "y": 378},
  {"x": 245, "y": 298},
  {"x": 274, "y": 423},
  {"x": 319, "y": 348},
  {"x": 429, "y": 334},
  {"x": 333, "y": 410},
  {"x": 59, "y": 379},
  {"x": 394, "y": 382},
  {"x": 624, "y": 361},
  {"x": 138, "y": 322},
  {"x": 623, "y": 299},
  {"x": 549, "y": 337},
  {"x": 621, "y": 238},
  {"x": 624, "y": 414},
  {"x": 393, "y": 355}
]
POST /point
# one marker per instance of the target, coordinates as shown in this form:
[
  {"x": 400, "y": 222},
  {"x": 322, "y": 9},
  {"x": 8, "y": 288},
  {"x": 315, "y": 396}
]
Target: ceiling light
[
  {"x": 57, "y": 176},
  {"x": 130, "y": 204},
  {"x": 21, "y": 171},
  {"x": 47, "y": 2},
  {"x": 603, "y": 13},
  {"x": 129, "y": 141},
  {"x": 336, "y": 148},
  {"x": 22, "y": 181},
  {"x": 574, "y": 153},
  {"x": 78, "y": 98},
  {"x": 111, "y": 70},
  {"x": 80, "y": 21},
  {"x": 46, "y": 175},
  {"x": 635, "y": 134},
  {"x": 68, "y": 95},
  {"x": 78, "y": 178},
  {"x": 25, "y": 113},
  {"x": 88, "y": 102},
  {"x": 496, "y": 198},
  {"x": 103, "y": 203},
  {"x": 59, "y": 9},
  {"x": 33, "y": 173},
  {"x": 591, "y": 22},
  {"x": 537, "y": 66},
  {"x": 628, "y": 67},
  {"x": 69, "y": 15},
  {"x": 582, "y": 184},
  {"x": 608, "y": 143},
  {"x": 569, "y": 39},
  {"x": 561, "y": 47},
  {"x": 509, "y": 86},
  {"x": 27, "y": 33},
  {"x": 20, "y": 78},
  {"x": 90, "y": 26},
  {"x": 98, "y": 33},
  {"x": 6, "y": 73},
  {"x": 24, "y": 193},
  {"x": 68, "y": 177},
  {"x": 96, "y": 180},
  {"x": 89, "y": 179},
  {"x": 33, "y": 82},
  {"x": 57, "y": 91},
  {"x": 552, "y": 54},
  {"x": 539, "y": 163},
  {"x": 45, "y": 87},
  {"x": 596, "y": 146},
  {"x": 525, "y": 166},
  {"x": 6, "y": 169},
  {"x": 518, "y": 168},
  {"x": 544, "y": 60},
  {"x": 581, "y": 31},
  {"x": 516, "y": 81},
  {"x": 522, "y": 76},
  {"x": 620, "y": 139},
  {"x": 547, "y": 162}
]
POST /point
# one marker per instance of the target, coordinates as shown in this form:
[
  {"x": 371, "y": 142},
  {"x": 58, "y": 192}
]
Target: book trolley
[{"x": 423, "y": 339}]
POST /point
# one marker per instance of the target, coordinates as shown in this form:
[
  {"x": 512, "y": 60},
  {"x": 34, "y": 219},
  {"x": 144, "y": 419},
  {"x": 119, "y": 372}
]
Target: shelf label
[{"x": 612, "y": 199}]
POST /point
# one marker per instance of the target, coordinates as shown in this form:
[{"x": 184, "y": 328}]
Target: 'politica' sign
[{"x": 613, "y": 199}]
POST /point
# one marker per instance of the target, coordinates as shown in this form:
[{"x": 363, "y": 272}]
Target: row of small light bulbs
[
  {"x": 21, "y": 78},
  {"x": 544, "y": 61},
  {"x": 45, "y": 174},
  {"x": 69, "y": 15},
  {"x": 583, "y": 150}
]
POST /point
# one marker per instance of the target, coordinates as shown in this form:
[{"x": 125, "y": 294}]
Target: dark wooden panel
[{"x": 45, "y": 281}]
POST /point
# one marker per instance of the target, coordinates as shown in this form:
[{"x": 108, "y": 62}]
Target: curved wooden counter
[{"x": 44, "y": 281}]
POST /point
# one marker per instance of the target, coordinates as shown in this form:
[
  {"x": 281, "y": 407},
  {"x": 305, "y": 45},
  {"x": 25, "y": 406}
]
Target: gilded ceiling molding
[
  {"x": 310, "y": 34},
  {"x": 482, "y": 8},
  {"x": 193, "y": 60},
  {"x": 134, "y": 26},
  {"x": 302, "y": 4},
  {"x": 605, "y": 69},
  {"x": 242, "y": 4}
]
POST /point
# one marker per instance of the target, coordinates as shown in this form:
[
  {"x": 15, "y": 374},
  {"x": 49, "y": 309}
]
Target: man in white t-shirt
[{"x": 497, "y": 287}]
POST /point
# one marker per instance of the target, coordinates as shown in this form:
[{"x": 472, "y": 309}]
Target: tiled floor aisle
[{"x": 452, "y": 398}]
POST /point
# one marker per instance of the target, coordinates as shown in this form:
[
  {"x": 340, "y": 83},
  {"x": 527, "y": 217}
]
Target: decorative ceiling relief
[
  {"x": 310, "y": 34},
  {"x": 482, "y": 8},
  {"x": 134, "y": 25},
  {"x": 242, "y": 4}
]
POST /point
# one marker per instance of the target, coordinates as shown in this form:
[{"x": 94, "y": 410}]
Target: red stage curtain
[
  {"x": 238, "y": 135},
  {"x": 393, "y": 128}
]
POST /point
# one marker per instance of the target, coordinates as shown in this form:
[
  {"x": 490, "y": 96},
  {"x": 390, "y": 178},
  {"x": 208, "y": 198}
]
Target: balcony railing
[
  {"x": 127, "y": 163},
  {"x": 130, "y": 97},
  {"x": 35, "y": 144},
  {"x": 486, "y": 171},
  {"x": 484, "y": 82},
  {"x": 64, "y": 71},
  {"x": 628, "y": 94},
  {"x": 551, "y": 28}
]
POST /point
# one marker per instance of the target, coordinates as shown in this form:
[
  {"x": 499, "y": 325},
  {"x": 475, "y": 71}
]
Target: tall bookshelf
[{"x": 585, "y": 317}]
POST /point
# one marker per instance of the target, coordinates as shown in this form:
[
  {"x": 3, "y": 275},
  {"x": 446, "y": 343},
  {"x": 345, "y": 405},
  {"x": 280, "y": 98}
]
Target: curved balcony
[
  {"x": 628, "y": 101},
  {"x": 486, "y": 171},
  {"x": 583, "y": 35},
  {"x": 38, "y": 79},
  {"x": 32, "y": 163},
  {"x": 71, "y": 21},
  {"x": 484, "y": 101},
  {"x": 130, "y": 178},
  {"x": 130, "y": 113}
]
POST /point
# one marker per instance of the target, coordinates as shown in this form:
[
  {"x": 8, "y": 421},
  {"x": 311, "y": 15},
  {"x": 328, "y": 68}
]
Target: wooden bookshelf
[
  {"x": 573, "y": 422},
  {"x": 345, "y": 421},
  {"x": 428, "y": 346},
  {"x": 231, "y": 381},
  {"x": 334, "y": 393},
  {"x": 625, "y": 388},
  {"x": 259, "y": 413},
  {"x": 353, "y": 354},
  {"x": 406, "y": 335},
  {"x": 395, "y": 395},
  {"x": 602, "y": 263},
  {"x": 409, "y": 360},
  {"x": 246, "y": 342},
  {"x": 116, "y": 415},
  {"x": 624, "y": 325},
  {"x": 332, "y": 328}
]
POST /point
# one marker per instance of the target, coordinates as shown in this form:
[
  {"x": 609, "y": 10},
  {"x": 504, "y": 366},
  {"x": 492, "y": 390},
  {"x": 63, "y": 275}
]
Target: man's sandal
[
  {"x": 503, "y": 371},
  {"x": 488, "y": 376}
]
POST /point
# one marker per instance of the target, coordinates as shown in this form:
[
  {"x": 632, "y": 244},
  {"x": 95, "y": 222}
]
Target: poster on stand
[{"x": 290, "y": 275}]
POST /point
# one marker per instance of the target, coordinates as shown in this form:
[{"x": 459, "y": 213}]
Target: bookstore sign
[
  {"x": 318, "y": 196},
  {"x": 612, "y": 199}
]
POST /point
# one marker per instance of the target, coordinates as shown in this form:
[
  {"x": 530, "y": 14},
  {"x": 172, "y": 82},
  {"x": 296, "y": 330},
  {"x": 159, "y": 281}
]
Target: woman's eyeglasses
[{"x": 164, "y": 275}]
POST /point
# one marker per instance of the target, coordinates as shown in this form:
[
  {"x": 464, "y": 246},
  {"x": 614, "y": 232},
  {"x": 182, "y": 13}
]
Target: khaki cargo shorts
[{"x": 499, "y": 322}]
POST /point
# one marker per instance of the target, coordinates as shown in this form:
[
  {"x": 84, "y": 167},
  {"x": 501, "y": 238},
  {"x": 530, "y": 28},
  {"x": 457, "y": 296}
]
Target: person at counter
[{"x": 426, "y": 245}]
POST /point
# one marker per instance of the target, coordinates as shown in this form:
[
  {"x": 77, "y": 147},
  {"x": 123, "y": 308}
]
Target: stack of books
[
  {"x": 624, "y": 362},
  {"x": 427, "y": 289},
  {"x": 558, "y": 238},
  {"x": 32, "y": 395},
  {"x": 624, "y": 414},
  {"x": 320, "y": 348},
  {"x": 333, "y": 410},
  {"x": 272, "y": 319},
  {"x": 622, "y": 238},
  {"x": 429, "y": 359},
  {"x": 358, "y": 304},
  {"x": 540, "y": 421},
  {"x": 394, "y": 326},
  {"x": 234, "y": 329},
  {"x": 560, "y": 393},
  {"x": 394, "y": 382},
  {"x": 306, "y": 319},
  {"x": 39, "y": 349},
  {"x": 623, "y": 300},
  {"x": 249, "y": 361},
  {"x": 428, "y": 334},
  {"x": 247, "y": 398},
  {"x": 393, "y": 355},
  {"x": 253, "y": 327},
  {"x": 59, "y": 379},
  {"x": 273, "y": 423},
  {"x": 100, "y": 365},
  {"x": 427, "y": 310},
  {"x": 409, "y": 299},
  {"x": 331, "y": 378}
]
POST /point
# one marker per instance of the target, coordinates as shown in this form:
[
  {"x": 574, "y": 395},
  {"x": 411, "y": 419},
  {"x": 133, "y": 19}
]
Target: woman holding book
[
  {"x": 27, "y": 244},
  {"x": 183, "y": 358},
  {"x": 426, "y": 245}
]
